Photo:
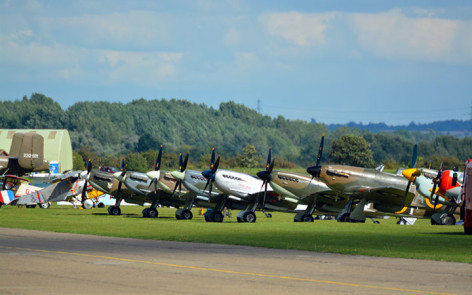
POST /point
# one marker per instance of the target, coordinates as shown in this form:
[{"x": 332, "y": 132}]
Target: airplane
[
  {"x": 439, "y": 189},
  {"x": 66, "y": 188},
  {"x": 26, "y": 155},
  {"x": 10, "y": 186},
  {"x": 139, "y": 188},
  {"x": 206, "y": 195},
  {"x": 388, "y": 193},
  {"x": 303, "y": 189},
  {"x": 245, "y": 189}
]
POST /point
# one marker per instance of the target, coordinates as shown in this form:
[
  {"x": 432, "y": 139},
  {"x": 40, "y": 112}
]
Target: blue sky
[{"x": 334, "y": 61}]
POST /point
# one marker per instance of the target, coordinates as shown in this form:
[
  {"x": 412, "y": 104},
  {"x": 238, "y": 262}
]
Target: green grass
[{"x": 387, "y": 239}]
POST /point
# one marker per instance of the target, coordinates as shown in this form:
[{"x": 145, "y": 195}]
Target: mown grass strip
[{"x": 387, "y": 239}]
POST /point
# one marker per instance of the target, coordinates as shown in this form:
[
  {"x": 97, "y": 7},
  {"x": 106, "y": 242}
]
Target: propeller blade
[
  {"x": 184, "y": 165},
  {"x": 123, "y": 167},
  {"x": 406, "y": 193},
  {"x": 158, "y": 160},
  {"x": 84, "y": 189},
  {"x": 206, "y": 185},
  {"x": 269, "y": 157},
  {"x": 212, "y": 161},
  {"x": 315, "y": 171},
  {"x": 89, "y": 166},
  {"x": 320, "y": 151},
  {"x": 180, "y": 187},
  {"x": 217, "y": 163},
  {"x": 176, "y": 186},
  {"x": 414, "y": 157},
  {"x": 436, "y": 181},
  {"x": 265, "y": 194},
  {"x": 211, "y": 186}
]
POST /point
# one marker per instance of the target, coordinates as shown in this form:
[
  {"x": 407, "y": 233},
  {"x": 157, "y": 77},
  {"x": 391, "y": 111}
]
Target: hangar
[{"x": 57, "y": 146}]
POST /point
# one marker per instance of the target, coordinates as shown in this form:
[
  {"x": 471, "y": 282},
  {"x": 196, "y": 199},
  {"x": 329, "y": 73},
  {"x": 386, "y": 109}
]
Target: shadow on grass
[{"x": 449, "y": 233}]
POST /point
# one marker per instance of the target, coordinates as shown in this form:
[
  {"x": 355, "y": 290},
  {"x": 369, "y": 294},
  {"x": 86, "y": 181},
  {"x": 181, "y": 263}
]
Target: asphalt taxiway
[{"x": 36, "y": 262}]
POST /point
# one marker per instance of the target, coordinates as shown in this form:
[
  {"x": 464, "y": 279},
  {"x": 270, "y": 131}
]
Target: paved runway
[{"x": 34, "y": 262}]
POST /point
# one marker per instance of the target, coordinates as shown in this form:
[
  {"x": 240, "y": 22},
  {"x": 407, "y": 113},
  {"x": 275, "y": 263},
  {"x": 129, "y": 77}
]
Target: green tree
[
  {"x": 352, "y": 150},
  {"x": 249, "y": 158},
  {"x": 77, "y": 161}
]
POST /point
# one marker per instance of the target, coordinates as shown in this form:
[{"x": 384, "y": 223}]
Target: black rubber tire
[
  {"x": 146, "y": 213},
  {"x": 115, "y": 210},
  {"x": 249, "y": 217},
  {"x": 218, "y": 217},
  {"x": 186, "y": 214},
  {"x": 153, "y": 213},
  {"x": 448, "y": 219},
  {"x": 307, "y": 218}
]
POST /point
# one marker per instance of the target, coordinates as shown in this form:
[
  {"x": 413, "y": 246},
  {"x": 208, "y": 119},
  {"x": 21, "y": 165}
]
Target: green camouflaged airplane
[{"x": 388, "y": 193}]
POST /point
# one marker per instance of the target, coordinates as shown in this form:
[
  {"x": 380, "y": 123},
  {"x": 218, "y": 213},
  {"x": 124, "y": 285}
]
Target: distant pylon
[{"x": 259, "y": 108}]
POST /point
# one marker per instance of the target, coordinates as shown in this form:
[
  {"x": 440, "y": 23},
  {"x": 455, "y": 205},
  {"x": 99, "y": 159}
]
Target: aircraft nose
[
  {"x": 411, "y": 174},
  {"x": 178, "y": 175}
]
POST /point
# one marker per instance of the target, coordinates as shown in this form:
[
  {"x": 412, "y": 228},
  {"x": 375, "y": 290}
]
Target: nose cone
[
  {"x": 314, "y": 171},
  {"x": 208, "y": 174},
  {"x": 178, "y": 175},
  {"x": 154, "y": 175},
  {"x": 118, "y": 176},
  {"x": 264, "y": 175},
  {"x": 411, "y": 174}
]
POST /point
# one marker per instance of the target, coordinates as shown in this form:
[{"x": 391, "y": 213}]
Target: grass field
[{"x": 387, "y": 239}]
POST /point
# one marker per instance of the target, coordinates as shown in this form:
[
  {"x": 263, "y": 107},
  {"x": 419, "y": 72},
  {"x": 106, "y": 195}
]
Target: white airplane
[{"x": 247, "y": 189}]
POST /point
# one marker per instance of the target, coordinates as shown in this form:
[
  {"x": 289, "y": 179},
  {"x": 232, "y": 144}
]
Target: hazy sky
[{"x": 335, "y": 61}]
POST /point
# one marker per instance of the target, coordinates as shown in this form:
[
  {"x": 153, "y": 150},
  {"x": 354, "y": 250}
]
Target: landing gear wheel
[
  {"x": 114, "y": 210},
  {"x": 30, "y": 206},
  {"x": 146, "y": 212},
  {"x": 218, "y": 217},
  {"x": 186, "y": 214},
  {"x": 153, "y": 213},
  {"x": 344, "y": 217},
  {"x": 448, "y": 219},
  {"x": 307, "y": 218},
  {"x": 45, "y": 205},
  {"x": 249, "y": 217}
]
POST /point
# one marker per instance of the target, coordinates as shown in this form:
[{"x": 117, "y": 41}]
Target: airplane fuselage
[{"x": 351, "y": 180}]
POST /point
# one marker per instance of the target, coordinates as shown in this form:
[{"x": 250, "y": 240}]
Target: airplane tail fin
[
  {"x": 6, "y": 197},
  {"x": 29, "y": 149}
]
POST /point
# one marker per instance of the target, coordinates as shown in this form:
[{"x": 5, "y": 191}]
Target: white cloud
[
  {"x": 392, "y": 35},
  {"x": 146, "y": 69},
  {"x": 302, "y": 29}
]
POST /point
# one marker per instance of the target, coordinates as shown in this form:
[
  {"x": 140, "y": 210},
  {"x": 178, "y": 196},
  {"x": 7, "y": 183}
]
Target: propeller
[
  {"x": 120, "y": 176},
  {"x": 154, "y": 175},
  {"x": 315, "y": 171},
  {"x": 210, "y": 173},
  {"x": 436, "y": 181},
  {"x": 266, "y": 176},
  {"x": 84, "y": 189},
  {"x": 182, "y": 167},
  {"x": 414, "y": 157}
]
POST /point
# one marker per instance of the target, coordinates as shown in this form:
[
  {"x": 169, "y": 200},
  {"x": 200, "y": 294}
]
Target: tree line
[{"x": 109, "y": 131}]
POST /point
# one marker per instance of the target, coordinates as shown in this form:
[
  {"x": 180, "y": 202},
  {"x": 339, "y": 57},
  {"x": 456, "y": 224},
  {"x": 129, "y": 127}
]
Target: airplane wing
[{"x": 388, "y": 199}]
